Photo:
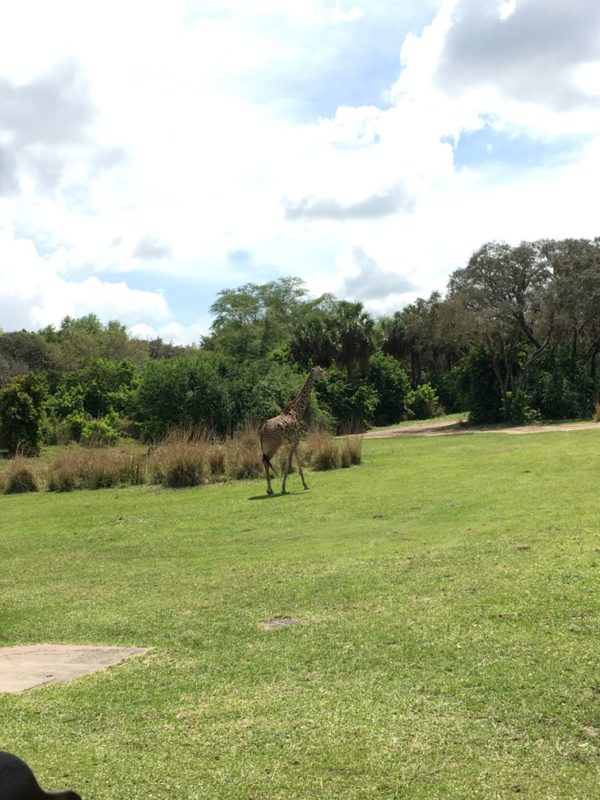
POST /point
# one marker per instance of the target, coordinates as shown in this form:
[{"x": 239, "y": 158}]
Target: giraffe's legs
[
  {"x": 286, "y": 469},
  {"x": 268, "y": 474},
  {"x": 288, "y": 465},
  {"x": 300, "y": 470}
]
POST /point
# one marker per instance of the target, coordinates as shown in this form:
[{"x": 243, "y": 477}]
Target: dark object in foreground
[{"x": 17, "y": 782}]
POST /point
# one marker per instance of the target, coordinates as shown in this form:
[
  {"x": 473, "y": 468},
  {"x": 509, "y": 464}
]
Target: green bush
[
  {"x": 22, "y": 415},
  {"x": 561, "y": 386},
  {"x": 99, "y": 433},
  {"x": 423, "y": 402},
  {"x": 351, "y": 402},
  {"x": 76, "y": 422},
  {"x": 478, "y": 388},
  {"x": 518, "y": 408},
  {"x": 182, "y": 393},
  {"x": 392, "y": 385}
]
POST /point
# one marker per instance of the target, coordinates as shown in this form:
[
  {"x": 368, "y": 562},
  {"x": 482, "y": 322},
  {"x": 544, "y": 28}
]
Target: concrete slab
[{"x": 27, "y": 667}]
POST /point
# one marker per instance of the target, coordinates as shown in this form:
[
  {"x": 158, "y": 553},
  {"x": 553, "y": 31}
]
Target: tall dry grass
[
  {"x": 94, "y": 468},
  {"x": 179, "y": 459},
  {"x": 323, "y": 451},
  {"x": 182, "y": 458},
  {"x": 243, "y": 458},
  {"x": 351, "y": 447},
  {"x": 320, "y": 450},
  {"x": 20, "y": 477},
  {"x": 188, "y": 458}
]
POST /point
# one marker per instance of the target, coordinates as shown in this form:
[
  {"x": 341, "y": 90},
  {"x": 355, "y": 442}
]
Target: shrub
[
  {"x": 478, "y": 388},
  {"x": 423, "y": 402},
  {"x": 22, "y": 415},
  {"x": 20, "y": 478},
  {"x": 352, "y": 402},
  {"x": 99, "y": 433},
  {"x": 560, "y": 386},
  {"x": 76, "y": 423},
  {"x": 181, "y": 392},
  {"x": 392, "y": 385},
  {"x": 518, "y": 408}
]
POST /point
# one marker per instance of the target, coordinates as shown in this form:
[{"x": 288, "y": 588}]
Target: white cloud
[
  {"x": 33, "y": 294},
  {"x": 173, "y": 158},
  {"x": 172, "y": 332},
  {"x": 370, "y": 282}
]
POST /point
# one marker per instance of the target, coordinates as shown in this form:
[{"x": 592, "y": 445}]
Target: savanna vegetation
[
  {"x": 447, "y": 593},
  {"x": 514, "y": 339}
]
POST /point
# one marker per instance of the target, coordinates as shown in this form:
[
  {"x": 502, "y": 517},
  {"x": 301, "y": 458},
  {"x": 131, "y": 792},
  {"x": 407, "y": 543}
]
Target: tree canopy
[{"x": 515, "y": 337}]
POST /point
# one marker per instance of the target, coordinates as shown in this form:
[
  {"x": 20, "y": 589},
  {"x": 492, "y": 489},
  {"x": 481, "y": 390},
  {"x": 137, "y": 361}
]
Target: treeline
[{"x": 515, "y": 338}]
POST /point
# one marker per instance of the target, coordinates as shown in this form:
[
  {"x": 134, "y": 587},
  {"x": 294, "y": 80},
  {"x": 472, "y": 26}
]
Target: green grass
[{"x": 450, "y": 590}]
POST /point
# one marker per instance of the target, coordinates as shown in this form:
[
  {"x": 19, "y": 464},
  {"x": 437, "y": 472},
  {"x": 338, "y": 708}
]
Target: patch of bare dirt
[
  {"x": 463, "y": 427},
  {"x": 280, "y": 622}
]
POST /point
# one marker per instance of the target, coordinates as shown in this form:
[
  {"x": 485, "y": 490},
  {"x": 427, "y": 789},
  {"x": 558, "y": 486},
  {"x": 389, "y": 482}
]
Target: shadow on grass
[{"x": 271, "y": 496}]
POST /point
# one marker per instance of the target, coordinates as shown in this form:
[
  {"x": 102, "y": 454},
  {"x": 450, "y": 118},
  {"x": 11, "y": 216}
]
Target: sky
[{"x": 155, "y": 153}]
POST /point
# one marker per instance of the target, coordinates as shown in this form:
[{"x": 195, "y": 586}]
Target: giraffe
[{"x": 285, "y": 428}]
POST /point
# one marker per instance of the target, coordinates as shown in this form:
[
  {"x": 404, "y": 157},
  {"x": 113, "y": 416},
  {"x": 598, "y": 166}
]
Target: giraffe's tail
[{"x": 267, "y": 461}]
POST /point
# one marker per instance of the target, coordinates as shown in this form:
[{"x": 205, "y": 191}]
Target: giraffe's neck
[{"x": 298, "y": 406}]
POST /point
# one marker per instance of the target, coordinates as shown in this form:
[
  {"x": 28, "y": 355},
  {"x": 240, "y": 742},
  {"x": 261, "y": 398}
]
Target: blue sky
[
  {"x": 154, "y": 154},
  {"x": 500, "y": 153}
]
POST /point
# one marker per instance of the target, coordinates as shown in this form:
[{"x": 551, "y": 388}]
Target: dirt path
[{"x": 462, "y": 427}]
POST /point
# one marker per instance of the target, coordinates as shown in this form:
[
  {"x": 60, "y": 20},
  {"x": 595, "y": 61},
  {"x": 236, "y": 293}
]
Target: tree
[
  {"x": 103, "y": 386},
  {"x": 22, "y": 415},
  {"x": 356, "y": 337},
  {"x": 351, "y": 402},
  {"x": 254, "y": 319},
  {"x": 574, "y": 298},
  {"x": 330, "y": 331},
  {"x": 181, "y": 392},
  {"x": 22, "y": 352},
  {"x": 503, "y": 289},
  {"x": 157, "y": 348},
  {"x": 426, "y": 335},
  {"x": 78, "y": 342},
  {"x": 392, "y": 385},
  {"x": 314, "y": 338}
]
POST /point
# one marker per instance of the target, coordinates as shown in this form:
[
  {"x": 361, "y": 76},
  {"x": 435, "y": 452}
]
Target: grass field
[{"x": 449, "y": 588}]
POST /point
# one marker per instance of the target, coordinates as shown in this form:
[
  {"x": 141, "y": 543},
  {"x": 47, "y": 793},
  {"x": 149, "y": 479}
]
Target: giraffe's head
[{"x": 319, "y": 373}]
